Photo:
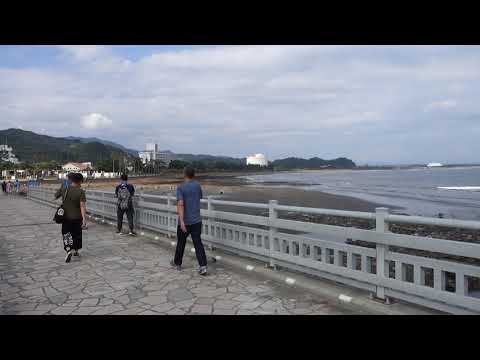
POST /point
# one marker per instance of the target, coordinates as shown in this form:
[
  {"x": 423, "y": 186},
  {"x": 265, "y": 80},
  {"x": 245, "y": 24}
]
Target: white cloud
[
  {"x": 230, "y": 99},
  {"x": 441, "y": 105},
  {"x": 85, "y": 52},
  {"x": 96, "y": 121}
]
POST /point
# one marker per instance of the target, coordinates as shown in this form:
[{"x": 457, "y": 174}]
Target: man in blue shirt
[{"x": 189, "y": 220}]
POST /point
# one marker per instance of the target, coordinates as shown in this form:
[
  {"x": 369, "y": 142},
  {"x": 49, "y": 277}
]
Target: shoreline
[{"x": 234, "y": 187}]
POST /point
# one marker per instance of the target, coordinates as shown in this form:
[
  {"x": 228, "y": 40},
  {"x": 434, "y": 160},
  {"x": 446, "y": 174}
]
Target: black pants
[
  {"x": 195, "y": 230},
  {"x": 120, "y": 213},
  {"x": 72, "y": 234}
]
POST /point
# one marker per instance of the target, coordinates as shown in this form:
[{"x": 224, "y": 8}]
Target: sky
[{"x": 373, "y": 104}]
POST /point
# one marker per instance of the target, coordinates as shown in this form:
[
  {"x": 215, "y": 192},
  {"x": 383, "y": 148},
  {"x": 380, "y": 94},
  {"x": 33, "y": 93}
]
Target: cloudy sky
[{"x": 374, "y": 104}]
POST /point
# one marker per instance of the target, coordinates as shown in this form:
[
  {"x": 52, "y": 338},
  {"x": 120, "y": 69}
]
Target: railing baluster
[
  {"x": 417, "y": 276},
  {"x": 461, "y": 286},
  {"x": 438, "y": 281}
]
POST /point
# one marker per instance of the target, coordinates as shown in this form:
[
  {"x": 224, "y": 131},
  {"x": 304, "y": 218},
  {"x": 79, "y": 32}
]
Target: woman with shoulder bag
[{"x": 75, "y": 214}]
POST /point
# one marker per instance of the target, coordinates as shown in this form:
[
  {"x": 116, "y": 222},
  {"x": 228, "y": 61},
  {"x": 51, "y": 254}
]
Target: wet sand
[{"x": 299, "y": 197}]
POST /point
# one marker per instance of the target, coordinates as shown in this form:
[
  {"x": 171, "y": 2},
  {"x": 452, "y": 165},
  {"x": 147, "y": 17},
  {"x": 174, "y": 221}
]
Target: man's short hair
[
  {"x": 77, "y": 178},
  {"x": 124, "y": 177},
  {"x": 189, "y": 172},
  {"x": 69, "y": 176}
]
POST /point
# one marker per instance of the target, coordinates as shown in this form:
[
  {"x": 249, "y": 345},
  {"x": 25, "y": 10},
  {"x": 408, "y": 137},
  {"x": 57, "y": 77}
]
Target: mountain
[
  {"x": 204, "y": 157},
  {"x": 286, "y": 164},
  {"x": 313, "y": 163},
  {"x": 31, "y": 147},
  {"x": 105, "y": 142}
]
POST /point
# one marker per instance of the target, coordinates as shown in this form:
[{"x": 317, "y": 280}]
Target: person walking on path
[
  {"x": 124, "y": 193},
  {"x": 75, "y": 217},
  {"x": 189, "y": 194},
  {"x": 4, "y": 186}
]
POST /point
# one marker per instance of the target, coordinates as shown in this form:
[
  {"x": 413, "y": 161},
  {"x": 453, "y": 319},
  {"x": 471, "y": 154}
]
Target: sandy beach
[{"x": 231, "y": 187}]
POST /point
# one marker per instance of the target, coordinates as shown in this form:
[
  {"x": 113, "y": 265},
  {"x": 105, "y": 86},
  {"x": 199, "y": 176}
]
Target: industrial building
[
  {"x": 6, "y": 154},
  {"x": 152, "y": 153}
]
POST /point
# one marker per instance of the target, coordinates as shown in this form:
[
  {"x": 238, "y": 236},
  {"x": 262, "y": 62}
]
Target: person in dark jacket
[{"x": 124, "y": 193}]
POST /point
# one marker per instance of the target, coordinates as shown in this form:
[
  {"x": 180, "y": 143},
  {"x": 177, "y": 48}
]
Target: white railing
[{"x": 322, "y": 250}]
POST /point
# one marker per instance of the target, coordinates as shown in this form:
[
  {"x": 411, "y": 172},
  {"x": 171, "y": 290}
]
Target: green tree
[
  {"x": 104, "y": 165},
  {"x": 178, "y": 164}
]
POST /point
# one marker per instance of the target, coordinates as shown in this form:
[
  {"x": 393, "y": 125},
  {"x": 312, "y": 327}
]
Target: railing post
[
  {"x": 382, "y": 227},
  {"x": 210, "y": 209},
  {"x": 138, "y": 200},
  {"x": 209, "y": 205},
  {"x": 169, "y": 215},
  {"x": 272, "y": 216}
]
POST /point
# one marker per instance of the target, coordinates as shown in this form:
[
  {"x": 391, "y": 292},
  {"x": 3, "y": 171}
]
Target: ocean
[{"x": 414, "y": 191}]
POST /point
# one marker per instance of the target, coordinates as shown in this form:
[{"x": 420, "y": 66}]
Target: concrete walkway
[{"x": 123, "y": 275}]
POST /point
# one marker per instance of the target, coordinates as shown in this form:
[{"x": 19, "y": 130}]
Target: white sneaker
[{"x": 68, "y": 257}]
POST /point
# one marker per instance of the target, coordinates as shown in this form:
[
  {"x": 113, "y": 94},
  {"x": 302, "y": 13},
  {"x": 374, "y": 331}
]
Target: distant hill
[
  {"x": 286, "y": 164},
  {"x": 31, "y": 147},
  {"x": 313, "y": 163},
  {"x": 208, "y": 158},
  {"x": 105, "y": 142}
]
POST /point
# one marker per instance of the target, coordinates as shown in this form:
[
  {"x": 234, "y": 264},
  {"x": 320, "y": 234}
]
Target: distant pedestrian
[
  {"x": 189, "y": 221},
  {"x": 4, "y": 186},
  {"x": 124, "y": 193},
  {"x": 75, "y": 217}
]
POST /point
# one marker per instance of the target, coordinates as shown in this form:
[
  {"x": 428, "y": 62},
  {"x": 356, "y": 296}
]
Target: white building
[
  {"x": 152, "y": 153},
  {"x": 432, "y": 165},
  {"x": 76, "y": 167},
  {"x": 257, "y": 159},
  {"x": 6, "y": 154}
]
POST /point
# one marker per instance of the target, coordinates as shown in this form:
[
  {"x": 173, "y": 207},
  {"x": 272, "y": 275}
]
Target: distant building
[
  {"x": 433, "y": 165},
  {"x": 152, "y": 153},
  {"x": 77, "y": 167},
  {"x": 257, "y": 159},
  {"x": 6, "y": 154}
]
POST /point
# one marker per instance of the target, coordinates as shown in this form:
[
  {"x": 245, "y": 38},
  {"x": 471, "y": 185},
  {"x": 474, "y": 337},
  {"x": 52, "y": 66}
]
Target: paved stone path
[{"x": 122, "y": 275}]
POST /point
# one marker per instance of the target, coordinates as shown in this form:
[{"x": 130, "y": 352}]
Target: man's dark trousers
[
  {"x": 195, "y": 230},
  {"x": 120, "y": 213}
]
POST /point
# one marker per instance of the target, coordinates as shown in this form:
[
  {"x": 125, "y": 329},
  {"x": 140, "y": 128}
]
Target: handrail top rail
[{"x": 390, "y": 218}]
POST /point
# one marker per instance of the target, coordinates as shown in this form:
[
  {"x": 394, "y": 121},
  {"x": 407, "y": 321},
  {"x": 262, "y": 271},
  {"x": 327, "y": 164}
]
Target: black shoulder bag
[{"x": 60, "y": 213}]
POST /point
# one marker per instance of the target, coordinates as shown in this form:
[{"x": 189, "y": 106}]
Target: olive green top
[{"x": 71, "y": 205}]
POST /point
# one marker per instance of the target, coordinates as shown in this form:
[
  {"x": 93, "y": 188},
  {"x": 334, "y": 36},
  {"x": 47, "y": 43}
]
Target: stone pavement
[{"x": 122, "y": 275}]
